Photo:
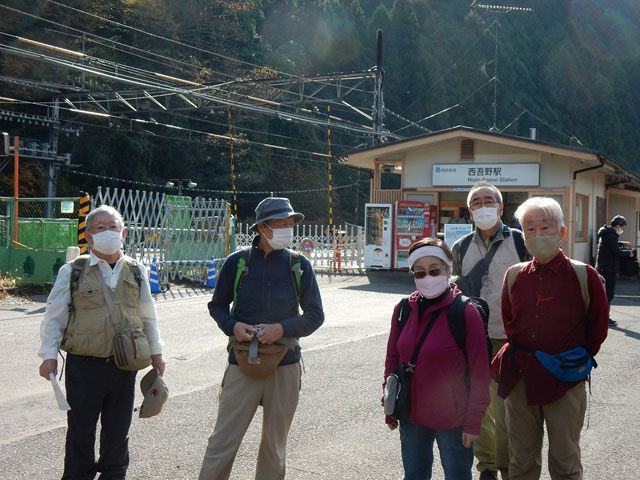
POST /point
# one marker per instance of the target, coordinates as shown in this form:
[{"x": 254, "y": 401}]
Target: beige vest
[
  {"x": 90, "y": 331},
  {"x": 491, "y": 291}
]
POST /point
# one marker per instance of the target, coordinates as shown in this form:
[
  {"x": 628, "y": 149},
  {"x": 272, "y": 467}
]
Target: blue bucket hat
[{"x": 275, "y": 208}]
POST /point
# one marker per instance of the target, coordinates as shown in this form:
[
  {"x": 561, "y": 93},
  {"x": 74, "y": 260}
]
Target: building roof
[
  {"x": 461, "y": 131},
  {"x": 366, "y": 157}
]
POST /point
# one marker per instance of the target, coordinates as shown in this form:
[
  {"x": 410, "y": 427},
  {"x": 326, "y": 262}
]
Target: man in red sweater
[{"x": 544, "y": 310}]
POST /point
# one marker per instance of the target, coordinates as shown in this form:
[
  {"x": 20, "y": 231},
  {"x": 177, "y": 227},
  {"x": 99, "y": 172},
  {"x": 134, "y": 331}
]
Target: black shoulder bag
[
  {"x": 474, "y": 277},
  {"x": 397, "y": 391}
]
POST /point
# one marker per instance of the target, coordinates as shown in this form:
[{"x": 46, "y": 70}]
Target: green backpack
[{"x": 243, "y": 269}]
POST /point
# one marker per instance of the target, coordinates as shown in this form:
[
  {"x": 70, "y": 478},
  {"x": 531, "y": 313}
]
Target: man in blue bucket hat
[{"x": 256, "y": 303}]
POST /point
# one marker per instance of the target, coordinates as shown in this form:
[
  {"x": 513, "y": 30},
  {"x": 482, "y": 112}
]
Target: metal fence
[
  {"x": 40, "y": 223},
  {"x": 181, "y": 234},
  {"x": 335, "y": 248}
]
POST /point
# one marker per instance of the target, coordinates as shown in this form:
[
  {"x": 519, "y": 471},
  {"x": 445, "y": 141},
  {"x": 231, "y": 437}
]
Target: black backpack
[{"x": 456, "y": 320}]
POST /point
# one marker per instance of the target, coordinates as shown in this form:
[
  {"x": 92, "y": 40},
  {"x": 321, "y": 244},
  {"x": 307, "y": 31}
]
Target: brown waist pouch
[{"x": 264, "y": 364}]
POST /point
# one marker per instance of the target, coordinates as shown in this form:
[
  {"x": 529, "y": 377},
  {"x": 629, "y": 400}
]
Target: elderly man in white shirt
[{"x": 77, "y": 320}]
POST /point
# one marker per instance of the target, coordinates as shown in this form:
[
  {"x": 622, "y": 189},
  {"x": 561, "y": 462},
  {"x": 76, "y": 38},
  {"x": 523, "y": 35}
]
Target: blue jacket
[{"x": 267, "y": 294}]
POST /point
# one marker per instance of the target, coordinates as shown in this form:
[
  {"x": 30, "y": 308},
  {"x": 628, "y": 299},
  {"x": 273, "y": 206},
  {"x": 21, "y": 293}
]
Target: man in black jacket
[{"x": 609, "y": 249}]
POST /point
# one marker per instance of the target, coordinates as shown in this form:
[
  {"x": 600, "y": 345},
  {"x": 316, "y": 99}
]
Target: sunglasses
[{"x": 434, "y": 272}]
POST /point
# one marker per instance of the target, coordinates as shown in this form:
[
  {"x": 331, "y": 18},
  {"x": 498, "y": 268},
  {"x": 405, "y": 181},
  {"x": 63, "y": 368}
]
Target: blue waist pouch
[{"x": 570, "y": 366}]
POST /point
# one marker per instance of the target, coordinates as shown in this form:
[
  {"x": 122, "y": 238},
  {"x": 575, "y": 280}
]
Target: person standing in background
[
  {"x": 472, "y": 252},
  {"x": 609, "y": 253}
]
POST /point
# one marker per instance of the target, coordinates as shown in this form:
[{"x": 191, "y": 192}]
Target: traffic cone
[
  {"x": 211, "y": 276},
  {"x": 153, "y": 278}
]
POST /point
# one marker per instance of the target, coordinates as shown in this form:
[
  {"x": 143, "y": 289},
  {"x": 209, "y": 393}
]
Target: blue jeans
[{"x": 417, "y": 452}]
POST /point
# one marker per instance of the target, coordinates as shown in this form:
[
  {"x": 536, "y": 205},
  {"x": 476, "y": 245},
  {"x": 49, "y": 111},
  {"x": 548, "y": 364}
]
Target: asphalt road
[{"x": 338, "y": 431}]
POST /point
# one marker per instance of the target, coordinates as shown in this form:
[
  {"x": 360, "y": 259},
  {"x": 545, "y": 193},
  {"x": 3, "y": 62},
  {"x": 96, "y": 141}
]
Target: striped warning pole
[
  {"x": 211, "y": 275},
  {"x": 85, "y": 206},
  {"x": 153, "y": 277}
]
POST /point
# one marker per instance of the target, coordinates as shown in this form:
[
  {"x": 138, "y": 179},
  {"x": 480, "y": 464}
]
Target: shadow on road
[
  {"x": 629, "y": 333},
  {"x": 386, "y": 282}
]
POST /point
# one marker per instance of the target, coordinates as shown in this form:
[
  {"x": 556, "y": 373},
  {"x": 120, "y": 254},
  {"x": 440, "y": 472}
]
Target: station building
[{"x": 440, "y": 168}]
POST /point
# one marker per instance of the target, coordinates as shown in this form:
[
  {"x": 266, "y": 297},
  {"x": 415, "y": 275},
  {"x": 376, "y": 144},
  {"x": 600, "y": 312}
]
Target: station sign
[{"x": 499, "y": 174}]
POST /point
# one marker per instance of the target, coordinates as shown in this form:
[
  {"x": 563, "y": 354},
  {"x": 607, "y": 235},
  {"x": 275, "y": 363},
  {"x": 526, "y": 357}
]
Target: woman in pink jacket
[{"x": 449, "y": 395}]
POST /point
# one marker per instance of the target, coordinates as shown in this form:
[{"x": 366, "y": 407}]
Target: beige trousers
[
  {"x": 525, "y": 427},
  {"x": 240, "y": 396},
  {"x": 492, "y": 448}
]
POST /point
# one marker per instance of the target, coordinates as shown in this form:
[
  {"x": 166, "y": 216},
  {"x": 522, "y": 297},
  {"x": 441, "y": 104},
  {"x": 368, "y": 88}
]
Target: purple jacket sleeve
[{"x": 393, "y": 357}]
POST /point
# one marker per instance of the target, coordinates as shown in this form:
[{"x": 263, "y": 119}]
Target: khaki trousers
[
  {"x": 563, "y": 418},
  {"x": 492, "y": 448},
  {"x": 240, "y": 396}
]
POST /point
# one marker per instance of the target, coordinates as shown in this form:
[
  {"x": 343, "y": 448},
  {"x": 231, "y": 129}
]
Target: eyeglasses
[
  {"x": 434, "y": 272},
  {"x": 489, "y": 202}
]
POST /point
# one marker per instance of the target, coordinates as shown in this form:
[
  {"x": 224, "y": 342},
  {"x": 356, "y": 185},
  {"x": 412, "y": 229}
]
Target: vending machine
[
  {"x": 413, "y": 221},
  {"x": 378, "y": 224}
]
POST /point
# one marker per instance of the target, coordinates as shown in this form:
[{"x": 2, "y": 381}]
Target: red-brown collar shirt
[{"x": 546, "y": 312}]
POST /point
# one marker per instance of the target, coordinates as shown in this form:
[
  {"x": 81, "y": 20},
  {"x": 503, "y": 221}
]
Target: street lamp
[{"x": 180, "y": 181}]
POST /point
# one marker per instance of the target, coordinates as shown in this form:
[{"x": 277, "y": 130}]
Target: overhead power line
[
  {"x": 170, "y": 40},
  {"x": 113, "y": 42},
  {"x": 428, "y": 117},
  {"x": 203, "y": 190},
  {"x": 260, "y": 107},
  {"x": 226, "y": 81}
]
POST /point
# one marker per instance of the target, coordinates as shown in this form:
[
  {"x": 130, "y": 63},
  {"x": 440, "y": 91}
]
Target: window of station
[
  {"x": 391, "y": 176},
  {"x": 453, "y": 209},
  {"x": 512, "y": 200},
  {"x": 582, "y": 217}
]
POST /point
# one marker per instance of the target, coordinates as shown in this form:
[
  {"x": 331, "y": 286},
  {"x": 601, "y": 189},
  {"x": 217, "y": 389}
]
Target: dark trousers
[
  {"x": 610, "y": 284},
  {"x": 97, "y": 388}
]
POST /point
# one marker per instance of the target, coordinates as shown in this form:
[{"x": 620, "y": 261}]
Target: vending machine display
[
  {"x": 413, "y": 221},
  {"x": 378, "y": 223}
]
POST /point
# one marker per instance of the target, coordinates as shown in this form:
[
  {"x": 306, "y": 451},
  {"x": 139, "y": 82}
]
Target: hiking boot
[
  {"x": 488, "y": 475},
  {"x": 613, "y": 323}
]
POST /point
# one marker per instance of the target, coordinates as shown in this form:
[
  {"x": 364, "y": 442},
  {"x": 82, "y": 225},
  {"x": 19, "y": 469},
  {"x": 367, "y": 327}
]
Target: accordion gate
[
  {"x": 339, "y": 247},
  {"x": 180, "y": 233}
]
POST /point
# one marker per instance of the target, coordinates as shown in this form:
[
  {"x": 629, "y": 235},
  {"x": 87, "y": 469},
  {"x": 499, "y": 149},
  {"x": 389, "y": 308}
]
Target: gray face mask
[{"x": 543, "y": 247}]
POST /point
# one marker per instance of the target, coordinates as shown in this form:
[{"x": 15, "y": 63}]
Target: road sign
[{"x": 307, "y": 245}]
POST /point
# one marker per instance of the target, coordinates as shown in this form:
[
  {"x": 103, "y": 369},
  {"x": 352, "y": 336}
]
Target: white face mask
[
  {"x": 431, "y": 287},
  {"x": 107, "y": 242},
  {"x": 282, "y": 237},
  {"x": 619, "y": 231},
  {"x": 485, "y": 217}
]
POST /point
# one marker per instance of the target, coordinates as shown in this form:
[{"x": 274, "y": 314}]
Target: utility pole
[
  {"x": 494, "y": 127},
  {"x": 378, "y": 99},
  {"x": 50, "y": 168},
  {"x": 497, "y": 9}
]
